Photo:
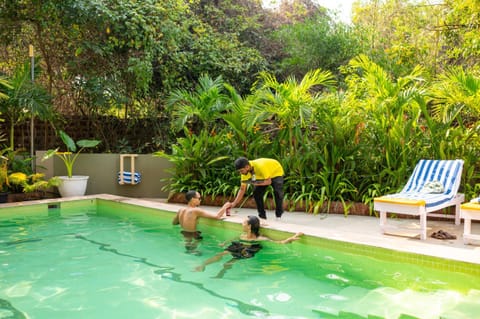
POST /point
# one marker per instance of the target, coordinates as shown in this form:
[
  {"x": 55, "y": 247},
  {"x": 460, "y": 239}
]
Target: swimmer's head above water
[{"x": 254, "y": 224}]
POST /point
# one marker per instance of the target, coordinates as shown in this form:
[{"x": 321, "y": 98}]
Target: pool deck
[{"x": 354, "y": 229}]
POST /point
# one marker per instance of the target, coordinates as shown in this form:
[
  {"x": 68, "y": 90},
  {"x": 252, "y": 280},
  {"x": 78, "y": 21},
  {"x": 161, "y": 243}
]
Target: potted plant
[{"x": 71, "y": 185}]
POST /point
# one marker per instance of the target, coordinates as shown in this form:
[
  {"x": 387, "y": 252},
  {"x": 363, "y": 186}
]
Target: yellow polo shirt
[{"x": 264, "y": 168}]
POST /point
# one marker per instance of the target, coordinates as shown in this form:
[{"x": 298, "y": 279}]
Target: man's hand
[{"x": 227, "y": 206}]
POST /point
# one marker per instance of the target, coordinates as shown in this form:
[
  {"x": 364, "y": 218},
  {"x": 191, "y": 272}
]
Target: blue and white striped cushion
[
  {"x": 127, "y": 177},
  {"x": 447, "y": 172}
]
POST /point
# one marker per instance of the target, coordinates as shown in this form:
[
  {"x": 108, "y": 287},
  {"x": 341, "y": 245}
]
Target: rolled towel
[
  {"x": 127, "y": 177},
  {"x": 475, "y": 200}
]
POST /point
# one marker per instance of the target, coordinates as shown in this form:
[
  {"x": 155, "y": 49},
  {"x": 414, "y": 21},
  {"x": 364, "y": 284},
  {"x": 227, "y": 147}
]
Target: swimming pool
[{"x": 103, "y": 259}]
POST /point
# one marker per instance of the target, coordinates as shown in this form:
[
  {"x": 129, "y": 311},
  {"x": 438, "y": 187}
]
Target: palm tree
[
  {"x": 455, "y": 96},
  {"x": 4, "y": 85},
  {"x": 391, "y": 131},
  {"x": 25, "y": 99},
  {"x": 455, "y": 107},
  {"x": 289, "y": 105},
  {"x": 241, "y": 121},
  {"x": 199, "y": 109}
]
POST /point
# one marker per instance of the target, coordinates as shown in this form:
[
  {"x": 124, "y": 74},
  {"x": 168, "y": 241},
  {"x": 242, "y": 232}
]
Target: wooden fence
[{"x": 118, "y": 136}]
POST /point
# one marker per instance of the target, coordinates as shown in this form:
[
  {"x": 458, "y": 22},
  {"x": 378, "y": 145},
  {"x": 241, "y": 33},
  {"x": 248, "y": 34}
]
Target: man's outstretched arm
[
  {"x": 240, "y": 194},
  {"x": 205, "y": 214}
]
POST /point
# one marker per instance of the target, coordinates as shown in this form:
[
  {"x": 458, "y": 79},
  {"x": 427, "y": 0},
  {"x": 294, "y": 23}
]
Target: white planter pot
[{"x": 74, "y": 186}]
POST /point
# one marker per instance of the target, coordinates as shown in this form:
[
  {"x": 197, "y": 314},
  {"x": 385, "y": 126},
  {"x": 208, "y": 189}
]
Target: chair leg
[
  {"x": 423, "y": 226},
  {"x": 467, "y": 230},
  {"x": 383, "y": 221},
  {"x": 457, "y": 214}
]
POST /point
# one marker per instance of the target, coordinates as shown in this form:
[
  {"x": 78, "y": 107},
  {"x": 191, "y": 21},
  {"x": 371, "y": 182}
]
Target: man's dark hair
[
  {"x": 241, "y": 162},
  {"x": 190, "y": 194}
]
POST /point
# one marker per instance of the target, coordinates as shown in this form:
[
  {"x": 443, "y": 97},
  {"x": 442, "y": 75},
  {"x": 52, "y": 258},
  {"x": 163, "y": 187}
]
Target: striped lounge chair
[{"x": 432, "y": 186}]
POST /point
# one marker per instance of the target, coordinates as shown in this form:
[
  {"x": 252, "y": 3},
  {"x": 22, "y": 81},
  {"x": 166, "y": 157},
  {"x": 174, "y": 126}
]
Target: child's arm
[
  {"x": 284, "y": 241},
  {"x": 290, "y": 239}
]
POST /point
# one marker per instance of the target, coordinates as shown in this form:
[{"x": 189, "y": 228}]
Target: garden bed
[
  {"x": 20, "y": 197},
  {"x": 336, "y": 207}
]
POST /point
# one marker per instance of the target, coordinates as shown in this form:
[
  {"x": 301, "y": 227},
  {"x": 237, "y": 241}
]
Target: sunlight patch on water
[
  {"x": 336, "y": 277},
  {"x": 20, "y": 289},
  {"x": 49, "y": 292},
  {"x": 281, "y": 296},
  {"x": 333, "y": 297}
]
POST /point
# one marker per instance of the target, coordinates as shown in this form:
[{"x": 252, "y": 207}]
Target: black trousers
[{"x": 259, "y": 192}]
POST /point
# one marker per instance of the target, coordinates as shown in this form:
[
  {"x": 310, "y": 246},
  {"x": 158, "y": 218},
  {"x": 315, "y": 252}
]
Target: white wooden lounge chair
[
  {"x": 432, "y": 186},
  {"x": 470, "y": 211}
]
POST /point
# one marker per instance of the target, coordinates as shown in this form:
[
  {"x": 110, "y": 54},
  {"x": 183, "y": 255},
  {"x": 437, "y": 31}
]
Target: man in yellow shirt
[{"x": 261, "y": 173}]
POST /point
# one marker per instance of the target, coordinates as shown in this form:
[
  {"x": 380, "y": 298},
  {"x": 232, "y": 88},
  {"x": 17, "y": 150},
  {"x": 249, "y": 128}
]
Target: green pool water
[{"x": 100, "y": 259}]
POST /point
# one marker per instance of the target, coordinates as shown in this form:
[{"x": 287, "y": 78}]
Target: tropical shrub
[
  {"x": 335, "y": 146},
  {"x": 202, "y": 162},
  {"x": 21, "y": 182}
]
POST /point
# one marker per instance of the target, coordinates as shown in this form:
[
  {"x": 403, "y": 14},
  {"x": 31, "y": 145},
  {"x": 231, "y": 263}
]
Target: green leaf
[
  {"x": 49, "y": 154},
  {"x": 220, "y": 158},
  {"x": 68, "y": 141},
  {"x": 88, "y": 143}
]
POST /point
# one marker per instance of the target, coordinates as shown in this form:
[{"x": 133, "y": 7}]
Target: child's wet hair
[{"x": 254, "y": 223}]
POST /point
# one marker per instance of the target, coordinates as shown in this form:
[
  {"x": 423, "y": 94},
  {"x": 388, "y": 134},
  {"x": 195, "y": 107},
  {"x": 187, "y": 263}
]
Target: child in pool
[{"x": 246, "y": 247}]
